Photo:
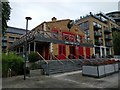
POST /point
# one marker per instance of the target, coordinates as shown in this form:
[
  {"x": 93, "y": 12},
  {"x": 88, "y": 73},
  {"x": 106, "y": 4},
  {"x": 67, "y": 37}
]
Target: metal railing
[
  {"x": 57, "y": 59},
  {"x": 108, "y": 37},
  {"x": 68, "y": 58}
]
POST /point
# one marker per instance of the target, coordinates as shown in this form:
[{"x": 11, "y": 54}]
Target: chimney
[{"x": 54, "y": 19}]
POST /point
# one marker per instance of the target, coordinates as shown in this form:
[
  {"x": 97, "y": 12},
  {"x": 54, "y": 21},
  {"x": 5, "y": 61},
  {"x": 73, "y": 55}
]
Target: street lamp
[{"x": 27, "y": 18}]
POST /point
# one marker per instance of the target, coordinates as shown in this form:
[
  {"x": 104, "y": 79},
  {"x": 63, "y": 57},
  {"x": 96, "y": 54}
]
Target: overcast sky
[{"x": 44, "y": 10}]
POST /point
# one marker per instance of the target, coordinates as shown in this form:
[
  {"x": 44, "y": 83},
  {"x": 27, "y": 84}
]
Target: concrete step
[{"x": 54, "y": 66}]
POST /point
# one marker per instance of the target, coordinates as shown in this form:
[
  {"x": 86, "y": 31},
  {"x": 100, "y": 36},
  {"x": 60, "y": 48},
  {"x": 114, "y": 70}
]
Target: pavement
[{"x": 65, "y": 80}]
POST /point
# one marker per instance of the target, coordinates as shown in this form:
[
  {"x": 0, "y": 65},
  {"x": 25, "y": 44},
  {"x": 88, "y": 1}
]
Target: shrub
[
  {"x": 12, "y": 61},
  {"x": 33, "y": 57}
]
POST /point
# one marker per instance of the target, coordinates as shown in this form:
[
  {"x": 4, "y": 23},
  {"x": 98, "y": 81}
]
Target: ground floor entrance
[
  {"x": 43, "y": 50},
  {"x": 101, "y": 51}
]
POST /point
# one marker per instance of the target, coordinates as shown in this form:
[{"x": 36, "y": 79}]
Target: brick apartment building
[
  {"x": 99, "y": 28},
  {"x": 12, "y": 34}
]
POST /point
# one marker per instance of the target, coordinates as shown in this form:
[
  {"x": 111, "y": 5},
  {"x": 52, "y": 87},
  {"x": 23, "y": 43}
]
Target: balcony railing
[
  {"x": 97, "y": 42},
  {"x": 4, "y": 44},
  {"x": 97, "y": 34},
  {"x": 115, "y": 28},
  {"x": 107, "y": 31},
  {"x": 109, "y": 44},
  {"x": 108, "y": 37},
  {"x": 4, "y": 39},
  {"x": 96, "y": 27}
]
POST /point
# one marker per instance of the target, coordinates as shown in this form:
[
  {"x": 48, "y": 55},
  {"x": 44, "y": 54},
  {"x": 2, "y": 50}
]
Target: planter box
[
  {"x": 117, "y": 67},
  {"x": 109, "y": 69},
  {"x": 99, "y": 71}
]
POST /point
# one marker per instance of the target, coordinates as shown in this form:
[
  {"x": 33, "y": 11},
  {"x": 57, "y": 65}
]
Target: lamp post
[{"x": 27, "y": 18}]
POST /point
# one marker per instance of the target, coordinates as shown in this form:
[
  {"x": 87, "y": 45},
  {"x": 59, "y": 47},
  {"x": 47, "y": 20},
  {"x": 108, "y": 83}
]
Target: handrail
[
  {"x": 88, "y": 56},
  {"x": 75, "y": 56},
  {"x": 78, "y": 58},
  {"x": 82, "y": 56},
  {"x": 68, "y": 58},
  {"x": 57, "y": 59},
  {"x": 42, "y": 57}
]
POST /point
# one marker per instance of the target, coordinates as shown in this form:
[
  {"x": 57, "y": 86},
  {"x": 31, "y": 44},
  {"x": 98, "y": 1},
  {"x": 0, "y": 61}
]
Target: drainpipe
[
  {"x": 34, "y": 46},
  {"x": 51, "y": 50},
  {"x": 100, "y": 51}
]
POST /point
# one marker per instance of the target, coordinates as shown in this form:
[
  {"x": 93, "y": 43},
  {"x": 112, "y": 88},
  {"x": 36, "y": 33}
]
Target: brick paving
[{"x": 66, "y": 80}]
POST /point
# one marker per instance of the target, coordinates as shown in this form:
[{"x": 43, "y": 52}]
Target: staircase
[{"x": 55, "y": 66}]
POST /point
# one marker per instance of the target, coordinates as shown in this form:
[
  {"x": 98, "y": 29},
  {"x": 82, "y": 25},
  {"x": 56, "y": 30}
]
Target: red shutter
[
  {"x": 87, "y": 52},
  {"x": 62, "y": 52},
  {"x": 81, "y": 51}
]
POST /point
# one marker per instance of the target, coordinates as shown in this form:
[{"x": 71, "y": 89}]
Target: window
[
  {"x": 94, "y": 23},
  {"x": 86, "y": 24},
  {"x": 99, "y": 25},
  {"x": 77, "y": 38},
  {"x": 62, "y": 49},
  {"x": 81, "y": 26},
  {"x": 11, "y": 38},
  {"x": 87, "y": 32},
  {"x": 81, "y": 39},
  {"x": 71, "y": 38},
  {"x": 10, "y": 43},
  {"x": 88, "y": 38},
  {"x": 66, "y": 37},
  {"x": 17, "y": 38},
  {"x": 55, "y": 34}
]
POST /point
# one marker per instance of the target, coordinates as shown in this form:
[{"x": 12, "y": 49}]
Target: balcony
[
  {"x": 4, "y": 44},
  {"x": 96, "y": 27},
  {"x": 115, "y": 28},
  {"x": 4, "y": 39},
  {"x": 108, "y": 37},
  {"x": 109, "y": 44},
  {"x": 97, "y": 34},
  {"x": 98, "y": 42},
  {"x": 107, "y": 31}
]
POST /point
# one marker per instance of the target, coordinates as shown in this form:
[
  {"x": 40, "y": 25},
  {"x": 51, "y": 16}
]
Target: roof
[
  {"x": 16, "y": 28},
  {"x": 114, "y": 12}
]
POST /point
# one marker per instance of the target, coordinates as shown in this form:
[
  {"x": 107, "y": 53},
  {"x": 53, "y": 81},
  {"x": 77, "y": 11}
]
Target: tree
[
  {"x": 5, "y": 17},
  {"x": 116, "y": 42},
  {"x": 6, "y": 9}
]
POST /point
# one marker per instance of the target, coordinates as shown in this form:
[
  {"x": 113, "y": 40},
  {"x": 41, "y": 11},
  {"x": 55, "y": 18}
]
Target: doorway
[
  {"x": 73, "y": 51},
  {"x": 43, "y": 49}
]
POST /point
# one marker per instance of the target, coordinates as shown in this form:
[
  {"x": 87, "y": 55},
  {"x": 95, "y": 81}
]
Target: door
[
  {"x": 43, "y": 50},
  {"x": 62, "y": 52},
  {"x": 81, "y": 54},
  {"x": 73, "y": 51}
]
